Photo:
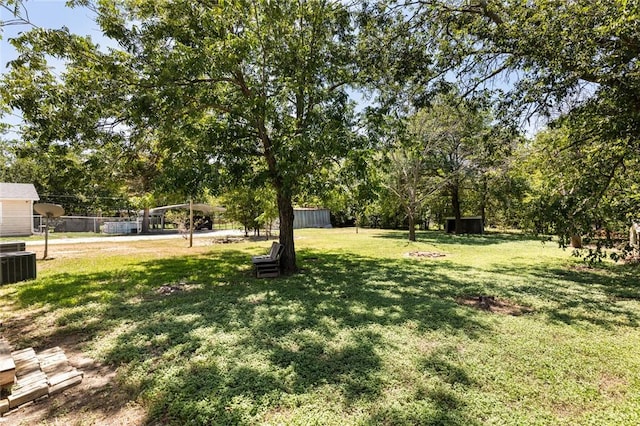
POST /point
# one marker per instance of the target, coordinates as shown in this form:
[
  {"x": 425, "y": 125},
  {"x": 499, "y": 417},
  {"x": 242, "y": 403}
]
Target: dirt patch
[
  {"x": 493, "y": 304},
  {"x": 98, "y": 400},
  {"x": 425, "y": 254},
  {"x": 175, "y": 288},
  {"x": 613, "y": 386},
  {"x": 232, "y": 240},
  {"x": 581, "y": 268}
]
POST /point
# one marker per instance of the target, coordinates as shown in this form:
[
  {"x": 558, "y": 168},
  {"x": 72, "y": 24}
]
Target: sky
[{"x": 47, "y": 14}]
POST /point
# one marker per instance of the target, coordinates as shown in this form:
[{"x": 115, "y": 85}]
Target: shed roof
[{"x": 18, "y": 191}]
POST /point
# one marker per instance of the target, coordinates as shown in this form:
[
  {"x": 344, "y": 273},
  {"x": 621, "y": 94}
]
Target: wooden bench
[{"x": 268, "y": 265}]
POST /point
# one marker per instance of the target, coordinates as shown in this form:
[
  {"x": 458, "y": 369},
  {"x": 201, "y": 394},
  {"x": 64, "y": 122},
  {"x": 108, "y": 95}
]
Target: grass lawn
[{"x": 364, "y": 335}]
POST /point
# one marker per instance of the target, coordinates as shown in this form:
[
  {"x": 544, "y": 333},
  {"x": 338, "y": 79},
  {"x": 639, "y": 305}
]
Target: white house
[{"x": 16, "y": 209}]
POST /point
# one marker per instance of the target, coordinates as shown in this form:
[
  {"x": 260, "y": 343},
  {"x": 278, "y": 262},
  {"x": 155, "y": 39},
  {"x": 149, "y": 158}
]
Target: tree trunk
[
  {"x": 191, "y": 222},
  {"x": 285, "y": 205},
  {"x": 455, "y": 205},
  {"x": 285, "y": 211},
  {"x": 483, "y": 200},
  {"x": 576, "y": 241},
  {"x": 145, "y": 220},
  {"x": 412, "y": 228}
]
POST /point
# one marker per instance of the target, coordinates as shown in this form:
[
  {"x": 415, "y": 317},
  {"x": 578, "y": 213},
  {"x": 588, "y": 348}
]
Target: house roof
[{"x": 18, "y": 191}]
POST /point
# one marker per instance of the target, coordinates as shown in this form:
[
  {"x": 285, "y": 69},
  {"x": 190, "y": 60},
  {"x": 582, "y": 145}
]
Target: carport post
[{"x": 190, "y": 222}]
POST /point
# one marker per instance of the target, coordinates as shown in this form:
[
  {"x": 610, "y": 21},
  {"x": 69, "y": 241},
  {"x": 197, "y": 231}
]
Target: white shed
[{"x": 16, "y": 209}]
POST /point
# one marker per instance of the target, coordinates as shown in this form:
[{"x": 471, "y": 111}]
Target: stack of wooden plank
[
  {"x": 26, "y": 376},
  {"x": 31, "y": 382}
]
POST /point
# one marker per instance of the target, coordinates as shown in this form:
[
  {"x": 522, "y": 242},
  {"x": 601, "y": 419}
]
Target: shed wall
[
  {"x": 16, "y": 218},
  {"x": 470, "y": 225},
  {"x": 311, "y": 218}
]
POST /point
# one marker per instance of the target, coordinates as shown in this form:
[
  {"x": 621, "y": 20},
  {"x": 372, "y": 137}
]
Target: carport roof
[{"x": 204, "y": 208}]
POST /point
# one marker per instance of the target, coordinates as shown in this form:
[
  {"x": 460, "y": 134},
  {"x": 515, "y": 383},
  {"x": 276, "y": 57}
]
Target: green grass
[{"x": 363, "y": 335}]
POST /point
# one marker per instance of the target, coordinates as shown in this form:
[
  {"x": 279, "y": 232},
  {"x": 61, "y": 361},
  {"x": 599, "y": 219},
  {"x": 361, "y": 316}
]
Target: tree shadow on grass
[
  {"x": 587, "y": 296},
  {"x": 229, "y": 347},
  {"x": 442, "y": 238},
  {"x": 434, "y": 405},
  {"x": 350, "y": 368}
]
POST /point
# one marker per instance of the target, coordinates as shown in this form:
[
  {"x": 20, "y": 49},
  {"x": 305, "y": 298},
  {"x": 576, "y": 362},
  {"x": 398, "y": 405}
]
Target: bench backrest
[
  {"x": 275, "y": 248},
  {"x": 280, "y": 251}
]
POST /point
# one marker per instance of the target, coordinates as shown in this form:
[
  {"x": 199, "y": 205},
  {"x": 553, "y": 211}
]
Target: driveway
[{"x": 138, "y": 237}]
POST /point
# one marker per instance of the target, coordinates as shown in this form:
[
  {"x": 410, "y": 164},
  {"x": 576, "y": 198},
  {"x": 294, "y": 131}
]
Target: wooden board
[
  {"x": 7, "y": 377},
  {"x": 6, "y": 363},
  {"x": 59, "y": 378},
  {"x": 26, "y": 353},
  {"x": 4, "y": 406},
  {"x": 62, "y": 381},
  {"x": 268, "y": 270},
  {"x": 51, "y": 351},
  {"x": 53, "y": 361},
  {"x": 29, "y": 379},
  {"x": 52, "y": 356},
  {"x": 65, "y": 384},
  {"x": 28, "y": 393},
  {"x": 26, "y": 367},
  {"x": 57, "y": 368},
  {"x": 26, "y": 362}
]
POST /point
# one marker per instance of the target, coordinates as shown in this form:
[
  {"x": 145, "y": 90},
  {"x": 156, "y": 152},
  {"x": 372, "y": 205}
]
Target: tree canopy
[
  {"x": 575, "y": 63},
  {"x": 234, "y": 94}
]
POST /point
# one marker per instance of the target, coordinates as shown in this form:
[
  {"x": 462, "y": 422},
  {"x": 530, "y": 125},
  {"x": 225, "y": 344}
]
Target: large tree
[
  {"x": 576, "y": 189},
  {"x": 255, "y": 88},
  {"x": 408, "y": 183},
  {"x": 72, "y": 132},
  {"x": 248, "y": 80},
  {"x": 459, "y": 144}
]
